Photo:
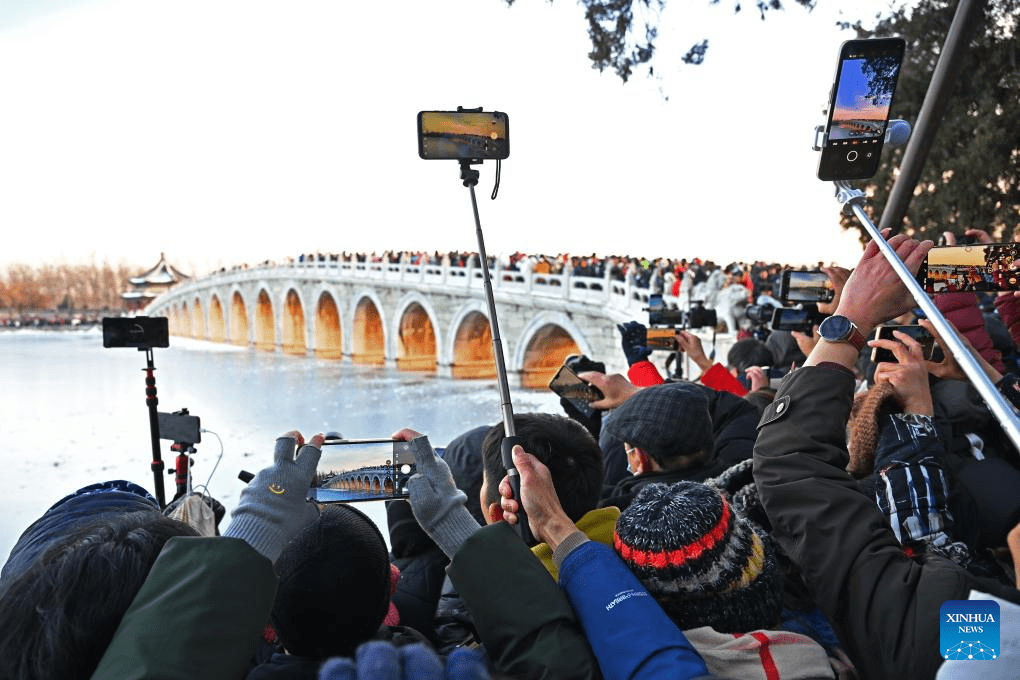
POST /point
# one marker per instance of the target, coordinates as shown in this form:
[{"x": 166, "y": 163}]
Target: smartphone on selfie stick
[
  {"x": 841, "y": 160},
  {"x": 471, "y": 136}
]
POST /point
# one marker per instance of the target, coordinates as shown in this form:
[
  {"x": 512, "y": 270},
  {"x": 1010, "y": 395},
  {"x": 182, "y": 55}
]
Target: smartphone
[
  {"x": 793, "y": 319},
  {"x": 142, "y": 332},
  {"x": 661, "y": 339},
  {"x": 919, "y": 333},
  {"x": 980, "y": 267},
  {"x": 178, "y": 427},
  {"x": 579, "y": 393},
  {"x": 352, "y": 470},
  {"x": 859, "y": 106},
  {"x": 806, "y": 286},
  {"x": 463, "y": 135}
]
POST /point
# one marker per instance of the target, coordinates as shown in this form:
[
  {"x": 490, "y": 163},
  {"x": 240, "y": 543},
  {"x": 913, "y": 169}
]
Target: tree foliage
[
  {"x": 79, "y": 287},
  {"x": 970, "y": 178},
  {"x": 620, "y": 41}
]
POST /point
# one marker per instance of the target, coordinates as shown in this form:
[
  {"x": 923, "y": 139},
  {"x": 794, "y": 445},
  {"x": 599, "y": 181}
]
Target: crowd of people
[{"x": 737, "y": 525}]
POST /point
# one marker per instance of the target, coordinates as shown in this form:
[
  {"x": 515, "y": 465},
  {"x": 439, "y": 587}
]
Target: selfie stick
[
  {"x": 469, "y": 176},
  {"x": 151, "y": 401},
  {"x": 852, "y": 200}
]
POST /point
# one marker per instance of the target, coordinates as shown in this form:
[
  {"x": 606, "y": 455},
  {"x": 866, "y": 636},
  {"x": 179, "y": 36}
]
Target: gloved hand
[
  {"x": 381, "y": 660},
  {"x": 274, "y": 506},
  {"x": 436, "y": 502},
  {"x": 635, "y": 339}
]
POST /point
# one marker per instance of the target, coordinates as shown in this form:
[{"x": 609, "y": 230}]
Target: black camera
[
  {"x": 661, "y": 315},
  {"x": 760, "y": 315},
  {"x": 698, "y": 316},
  {"x": 143, "y": 332}
]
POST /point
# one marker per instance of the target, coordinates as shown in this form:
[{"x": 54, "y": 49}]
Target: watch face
[{"x": 835, "y": 328}]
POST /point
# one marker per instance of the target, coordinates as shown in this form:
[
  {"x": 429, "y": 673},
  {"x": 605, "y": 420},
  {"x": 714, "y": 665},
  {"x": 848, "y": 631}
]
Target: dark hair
[
  {"x": 58, "y": 617},
  {"x": 334, "y": 585},
  {"x": 749, "y": 352},
  {"x": 564, "y": 446}
]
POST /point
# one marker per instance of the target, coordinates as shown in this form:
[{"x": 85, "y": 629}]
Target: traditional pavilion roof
[{"x": 163, "y": 274}]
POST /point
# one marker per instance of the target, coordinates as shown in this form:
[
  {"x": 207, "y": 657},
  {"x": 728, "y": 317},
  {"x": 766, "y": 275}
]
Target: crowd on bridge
[{"x": 742, "y": 524}]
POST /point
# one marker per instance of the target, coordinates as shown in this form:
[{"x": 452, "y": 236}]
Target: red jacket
[
  {"x": 644, "y": 374},
  {"x": 962, "y": 310}
]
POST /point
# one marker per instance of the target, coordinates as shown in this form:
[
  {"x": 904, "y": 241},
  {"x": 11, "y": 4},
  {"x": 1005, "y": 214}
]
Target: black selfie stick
[
  {"x": 151, "y": 401},
  {"x": 469, "y": 176}
]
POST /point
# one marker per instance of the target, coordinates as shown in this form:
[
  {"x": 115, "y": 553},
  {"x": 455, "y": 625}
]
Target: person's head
[
  {"x": 564, "y": 446},
  {"x": 703, "y": 563},
  {"x": 334, "y": 586},
  {"x": 670, "y": 424},
  {"x": 58, "y": 616},
  {"x": 746, "y": 353}
]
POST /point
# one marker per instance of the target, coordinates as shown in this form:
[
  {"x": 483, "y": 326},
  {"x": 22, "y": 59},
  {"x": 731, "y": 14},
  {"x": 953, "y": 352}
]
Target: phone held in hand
[
  {"x": 579, "y": 393},
  {"x": 352, "y": 470},
  {"x": 976, "y": 268},
  {"x": 661, "y": 339},
  {"x": 927, "y": 341},
  {"x": 859, "y": 105},
  {"x": 806, "y": 286}
]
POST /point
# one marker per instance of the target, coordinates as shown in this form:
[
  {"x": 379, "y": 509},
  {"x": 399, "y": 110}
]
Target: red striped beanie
[{"x": 703, "y": 563}]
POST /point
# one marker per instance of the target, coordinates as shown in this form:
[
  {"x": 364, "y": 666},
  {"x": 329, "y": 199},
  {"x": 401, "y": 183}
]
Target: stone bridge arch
[
  {"x": 217, "y": 322},
  {"x": 368, "y": 332},
  {"x": 265, "y": 322},
  {"x": 197, "y": 320},
  {"x": 546, "y": 341},
  {"x": 239, "y": 334},
  {"x": 293, "y": 330},
  {"x": 470, "y": 343},
  {"x": 328, "y": 334},
  {"x": 415, "y": 331},
  {"x": 185, "y": 320}
]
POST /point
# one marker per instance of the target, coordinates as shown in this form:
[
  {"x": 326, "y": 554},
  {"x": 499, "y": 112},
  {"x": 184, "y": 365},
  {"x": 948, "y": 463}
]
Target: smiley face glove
[{"x": 274, "y": 506}]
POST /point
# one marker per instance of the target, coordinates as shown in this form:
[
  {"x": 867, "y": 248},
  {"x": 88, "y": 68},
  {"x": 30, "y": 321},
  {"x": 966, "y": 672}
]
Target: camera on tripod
[{"x": 697, "y": 316}]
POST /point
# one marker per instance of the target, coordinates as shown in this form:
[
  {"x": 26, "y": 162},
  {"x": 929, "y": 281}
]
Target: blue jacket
[{"x": 631, "y": 635}]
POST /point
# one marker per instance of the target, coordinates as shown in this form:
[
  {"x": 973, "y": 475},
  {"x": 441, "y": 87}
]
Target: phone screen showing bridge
[{"x": 362, "y": 470}]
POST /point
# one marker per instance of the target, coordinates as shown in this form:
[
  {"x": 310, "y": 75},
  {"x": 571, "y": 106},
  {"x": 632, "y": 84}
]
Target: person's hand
[
  {"x": 806, "y": 342},
  {"x": 838, "y": 276},
  {"x": 757, "y": 377},
  {"x": 874, "y": 293},
  {"x": 635, "y": 341},
  {"x": 980, "y": 235},
  {"x": 548, "y": 522},
  {"x": 949, "y": 368},
  {"x": 615, "y": 388},
  {"x": 275, "y": 506},
  {"x": 908, "y": 377},
  {"x": 691, "y": 344},
  {"x": 436, "y": 502}
]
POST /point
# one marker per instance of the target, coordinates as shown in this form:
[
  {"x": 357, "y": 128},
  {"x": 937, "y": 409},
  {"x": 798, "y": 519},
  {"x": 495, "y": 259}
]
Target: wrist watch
[{"x": 838, "y": 328}]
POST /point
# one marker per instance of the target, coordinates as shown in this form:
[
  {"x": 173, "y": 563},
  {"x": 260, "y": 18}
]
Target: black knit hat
[
  {"x": 665, "y": 421},
  {"x": 702, "y": 562},
  {"x": 334, "y": 585}
]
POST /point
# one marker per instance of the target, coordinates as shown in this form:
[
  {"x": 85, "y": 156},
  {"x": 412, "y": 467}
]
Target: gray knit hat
[
  {"x": 704, "y": 564},
  {"x": 665, "y": 421}
]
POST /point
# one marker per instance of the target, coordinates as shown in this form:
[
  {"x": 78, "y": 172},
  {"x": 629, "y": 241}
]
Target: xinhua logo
[{"x": 969, "y": 630}]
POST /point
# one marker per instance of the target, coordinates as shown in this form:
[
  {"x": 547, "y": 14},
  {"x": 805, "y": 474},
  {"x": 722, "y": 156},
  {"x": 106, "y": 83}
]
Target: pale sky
[{"x": 230, "y": 131}]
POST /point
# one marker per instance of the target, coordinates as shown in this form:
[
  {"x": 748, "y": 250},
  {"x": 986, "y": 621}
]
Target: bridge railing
[{"x": 582, "y": 289}]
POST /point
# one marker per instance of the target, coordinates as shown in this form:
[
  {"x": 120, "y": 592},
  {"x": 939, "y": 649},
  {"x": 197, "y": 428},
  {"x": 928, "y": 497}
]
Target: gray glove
[
  {"x": 436, "y": 502},
  {"x": 274, "y": 505}
]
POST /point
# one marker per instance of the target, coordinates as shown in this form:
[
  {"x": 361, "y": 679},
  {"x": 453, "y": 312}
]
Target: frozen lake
[{"x": 74, "y": 413}]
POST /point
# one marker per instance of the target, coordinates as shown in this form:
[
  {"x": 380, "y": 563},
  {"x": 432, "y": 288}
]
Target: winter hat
[
  {"x": 334, "y": 586},
  {"x": 702, "y": 562},
  {"x": 736, "y": 484},
  {"x": 864, "y": 418},
  {"x": 666, "y": 421}
]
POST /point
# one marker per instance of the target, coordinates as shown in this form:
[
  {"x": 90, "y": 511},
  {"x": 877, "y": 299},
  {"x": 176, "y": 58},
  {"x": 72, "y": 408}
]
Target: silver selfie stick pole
[
  {"x": 852, "y": 200},
  {"x": 469, "y": 176}
]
